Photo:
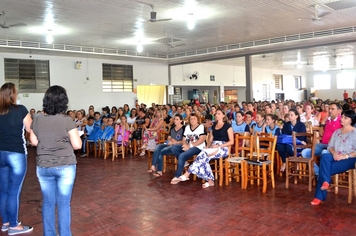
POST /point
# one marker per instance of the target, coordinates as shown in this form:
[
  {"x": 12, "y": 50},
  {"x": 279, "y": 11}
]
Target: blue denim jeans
[
  {"x": 13, "y": 167},
  {"x": 183, "y": 156},
  {"x": 328, "y": 168},
  {"x": 56, "y": 186},
  {"x": 161, "y": 149},
  {"x": 319, "y": 149}
]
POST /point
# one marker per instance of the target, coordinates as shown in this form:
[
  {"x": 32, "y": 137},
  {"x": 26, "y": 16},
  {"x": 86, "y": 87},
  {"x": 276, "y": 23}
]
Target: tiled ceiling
[{"x": 118, "y": 26}]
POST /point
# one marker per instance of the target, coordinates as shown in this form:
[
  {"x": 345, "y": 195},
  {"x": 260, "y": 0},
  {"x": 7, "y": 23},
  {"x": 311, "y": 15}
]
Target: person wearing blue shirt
[
  {"x": 271, "y": 126},
  {"x": 293, "y": 125},
  {"x": 238, "y": 125}
]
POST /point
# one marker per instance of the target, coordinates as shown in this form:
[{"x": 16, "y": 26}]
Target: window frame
[
  {"x": 29, "y": 75},
  {"x": 121, "y": 78}
]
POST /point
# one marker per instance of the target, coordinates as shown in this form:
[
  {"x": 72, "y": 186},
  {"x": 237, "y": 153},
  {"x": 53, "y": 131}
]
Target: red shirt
[
  {"x": 330, "y": 127},
  {"x": 346, "y": 95}
]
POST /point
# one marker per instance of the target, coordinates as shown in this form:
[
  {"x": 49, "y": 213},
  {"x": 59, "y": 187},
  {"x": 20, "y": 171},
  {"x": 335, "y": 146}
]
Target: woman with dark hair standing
[
  {"x": 55, "y": 136},
  {"x": 13, "y": 158},
  {"x": 220, "y": 138},
  {"x": 341, "y": 156},
  {"x": 293, "y": 125}
]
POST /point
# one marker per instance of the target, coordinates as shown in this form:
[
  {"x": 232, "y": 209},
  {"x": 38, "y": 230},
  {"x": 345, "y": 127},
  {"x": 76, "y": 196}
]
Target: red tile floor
[{"x": 121, "y": 198}]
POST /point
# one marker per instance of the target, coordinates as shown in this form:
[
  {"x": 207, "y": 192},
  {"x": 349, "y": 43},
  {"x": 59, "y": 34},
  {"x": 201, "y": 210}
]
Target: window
[
  {"x": 278, "y": 81},
  {"x": 345, "y": 80},
  {"x": 297, "y": 82},
  {"x": 29, "y": 76},
  {"x": 322, "y": 81},
  {"x": 266, "y": 95},
  {"x": 117, "y": 78}
]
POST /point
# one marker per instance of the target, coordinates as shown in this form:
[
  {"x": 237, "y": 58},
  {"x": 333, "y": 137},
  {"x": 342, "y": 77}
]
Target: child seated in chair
[
  {"x": 87, "y": 131},
  {"x": 122, "y": 132}
]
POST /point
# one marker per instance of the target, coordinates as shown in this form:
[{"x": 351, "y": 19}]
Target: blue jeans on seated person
[
  {"x": 285, "y": 150},
  {"x": 319, "y": 149},
  {"x": 56, "y": 186},
  {"x": 161, "y": 149},
  {"x": 13, "y": 167},
  {"x": 183, "y": 156},
  {"x": 328, "y": 168}
]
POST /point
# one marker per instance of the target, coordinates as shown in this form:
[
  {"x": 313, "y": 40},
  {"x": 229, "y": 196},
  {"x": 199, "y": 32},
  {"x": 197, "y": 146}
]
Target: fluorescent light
[
  {"x": 139, "y": 48},
  {"x": 191, "y": 21},
  {"x": 49, "y": 39}
]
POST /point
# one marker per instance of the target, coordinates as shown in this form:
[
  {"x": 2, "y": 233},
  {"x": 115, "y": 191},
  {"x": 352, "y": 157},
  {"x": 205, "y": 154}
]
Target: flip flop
[
  {"x": 151, "y": 170},
  {"x": 175, "y": 180},
  {"x": 158, "y": 174},
  {"x": 207, "y": 185},
  {"x": 183, "y": 178}
]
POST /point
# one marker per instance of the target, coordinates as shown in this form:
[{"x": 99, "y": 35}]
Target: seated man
[{"x": 331, "y": 124}]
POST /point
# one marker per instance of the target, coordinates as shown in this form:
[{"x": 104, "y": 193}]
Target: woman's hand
[
  {"x": 339, "y": 157},
  {"x": 304, "y": 143},
  {"x": 185, "y": 147},
  {"x": 215, "y": 146}
]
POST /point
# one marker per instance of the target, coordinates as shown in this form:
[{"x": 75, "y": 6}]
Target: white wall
[
  {"x": 83, "y": 92},
  {"x": 231, "y": 75},
  {"x": 262, "y": 76},
  {"x": 333, "y": 92},
  {"x": 224, "y": 74}
]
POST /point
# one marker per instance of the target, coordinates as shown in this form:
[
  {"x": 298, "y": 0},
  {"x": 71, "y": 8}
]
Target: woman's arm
[
  {"x": 210, "y": 138},
  {"x": 230, "y": 133},
  {"x": 27, "y": 122},
  {"x": 33, "y": 138},
  {"x": 158, "y": 126},
  {"x": 75, "y": 140}
]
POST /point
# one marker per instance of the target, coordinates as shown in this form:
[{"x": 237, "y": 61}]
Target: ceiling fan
[
  {"x": 153, "y": 16},
  {"x": 318, "y": 16},
  {"x": 6, "y": 26}
]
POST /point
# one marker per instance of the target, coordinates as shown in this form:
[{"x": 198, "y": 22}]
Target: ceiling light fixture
[
  {"x": 49, "y": 38},
  {"x": 139, "y": 48},
  {"x": 191, "y": 21}
]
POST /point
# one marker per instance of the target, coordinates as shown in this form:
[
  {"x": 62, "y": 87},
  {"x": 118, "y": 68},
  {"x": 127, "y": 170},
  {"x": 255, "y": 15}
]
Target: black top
[
  {"x": 221, "y": 134},
  {"x": 12, "y": 133},
  {"x": 168, "y": 119},
  {"x": 141, "y": 120}
]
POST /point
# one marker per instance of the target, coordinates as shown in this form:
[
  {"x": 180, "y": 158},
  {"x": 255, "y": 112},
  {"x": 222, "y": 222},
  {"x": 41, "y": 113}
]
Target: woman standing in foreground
[
  {"x": 55, "y": 136},
  {"x": 13, "y": 158}
]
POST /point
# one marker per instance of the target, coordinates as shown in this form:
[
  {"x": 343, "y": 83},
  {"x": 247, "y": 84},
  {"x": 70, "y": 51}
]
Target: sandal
[
  {"x": 142, "y": 153},
  {"x": 175, "y": 180},
  {"x": 315, "y": 202},
  {"x": 183, "y": 178},
  {"x": 151, "y": 170},
  {"x": 158, "y": 174},
  {"x": 207, "y": 185}
]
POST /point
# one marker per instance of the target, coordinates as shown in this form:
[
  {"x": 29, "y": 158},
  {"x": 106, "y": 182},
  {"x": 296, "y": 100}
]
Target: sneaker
[
  {"x": 186, "y": 164},
  {"x": 83, "y": 155},
  {"x": 25, "y": 229},
  {"x": 4, "y": 228}
]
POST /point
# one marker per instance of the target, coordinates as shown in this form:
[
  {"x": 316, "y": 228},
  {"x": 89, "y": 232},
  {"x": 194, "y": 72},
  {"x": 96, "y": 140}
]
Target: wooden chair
[
  {"x": 219, "y": 167},
  {"x": 169, "y": 162},
  {"x": 295, "y": 165},
  {"x": 345, "y": 180},
  {"x": 91, "y": 146},
  {"x": 260, "y": 166},
  {"x": 107, "y": 148},
  {"x": 118, "y": 149},
  {"x": 234, "y": 165},
  {"x": 162, "y": 137}
]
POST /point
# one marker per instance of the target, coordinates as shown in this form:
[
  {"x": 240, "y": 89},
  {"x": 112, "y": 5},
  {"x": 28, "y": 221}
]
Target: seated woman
[
  {"x": 238, "y": 125},
  {"x": 122, "y": 132},
  {"x": 119, "y": 113},
  {"x": 220, "y": 138},
  {"x": 175, "y": 138},
  {"x": 193, "y": 142},
  {"x": 271, "y": 126},
  {"x": 341, "y": 156},
  {"x": 295, "y": 125},
  {"x": 152, "y": 132}
]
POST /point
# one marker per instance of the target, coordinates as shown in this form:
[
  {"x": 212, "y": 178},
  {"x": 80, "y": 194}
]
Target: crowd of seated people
[{"x": 143, "y": 123}]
